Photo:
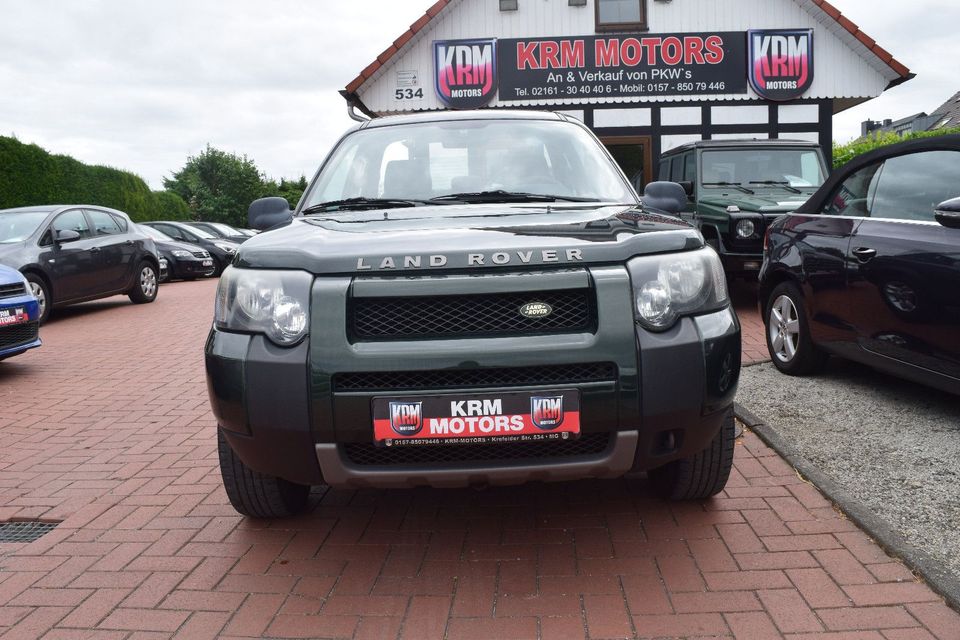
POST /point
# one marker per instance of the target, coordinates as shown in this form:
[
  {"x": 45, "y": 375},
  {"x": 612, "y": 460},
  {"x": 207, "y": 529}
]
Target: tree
[
  {"x": 218, "y": 186},
  {"x": 292, "y": 190}
]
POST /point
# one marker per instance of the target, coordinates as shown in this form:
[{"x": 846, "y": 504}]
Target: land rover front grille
[
  {"x": 18, "y": 334},
  {"x": 475, "y": 378},
  {"x": 365, "y": 454},
  {"x": 11, "y": 290},
  {"x": 470, "y": 315}
]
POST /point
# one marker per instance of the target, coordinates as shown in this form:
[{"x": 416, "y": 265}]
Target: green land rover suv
[
  {"x": 738, "y": 187},
  {"x": 469, "y": 299}
]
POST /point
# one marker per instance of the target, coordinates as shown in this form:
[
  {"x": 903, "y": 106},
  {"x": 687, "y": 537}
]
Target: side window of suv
[
  {"x": 103, "y": 223},
  {"x": 911, "y": 186},
  {"x": 855, "y": 196},
  {"x": 663, "y": 172},
  {"x": 690, "y": 167},
  {"x": 72, "y": 220}
]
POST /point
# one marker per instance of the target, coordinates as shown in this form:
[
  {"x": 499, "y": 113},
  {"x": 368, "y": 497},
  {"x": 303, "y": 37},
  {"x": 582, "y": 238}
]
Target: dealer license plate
[
  {"x": 208, "y": 263},
  {"x": 476, "y": 418},
  {"x": 16, "y": 315}
]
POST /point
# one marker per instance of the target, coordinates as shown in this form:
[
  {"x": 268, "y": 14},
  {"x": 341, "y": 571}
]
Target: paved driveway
[{"x": 106, "y": 428}]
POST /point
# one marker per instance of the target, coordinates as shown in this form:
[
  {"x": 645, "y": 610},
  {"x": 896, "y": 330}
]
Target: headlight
[
  {"x": 223, "y": 246},
  {"x": 179, "y": 253},
  {"x": 745, "y": 228},
  {"x": 275, "y": 303},
  {"x": 672, "y": 285}
]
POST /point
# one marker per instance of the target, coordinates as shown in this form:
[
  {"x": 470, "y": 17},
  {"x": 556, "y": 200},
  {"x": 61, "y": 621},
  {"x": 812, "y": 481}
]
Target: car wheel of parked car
[
  {"x": 146, "y": 284},
  {"x": 42, "y": 293},
  {"x": 701, "y": 475},
  {"x": 788, "y": 336},
  {"x": 256, "y": 494}
]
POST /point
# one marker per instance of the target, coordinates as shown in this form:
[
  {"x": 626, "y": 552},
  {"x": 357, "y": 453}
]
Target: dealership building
[{"x": 644, "y": 75}]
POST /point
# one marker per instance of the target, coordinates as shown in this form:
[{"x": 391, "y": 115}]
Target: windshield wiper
[
  {"x": 785, "y": 185},
  {"x": 729, "y": 184},
  {"x": 364, "y": 203},
  {"x": 499, "y": 195}
]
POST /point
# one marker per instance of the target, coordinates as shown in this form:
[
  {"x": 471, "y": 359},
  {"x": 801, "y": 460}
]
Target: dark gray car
[{"x": 75, "y": 253}]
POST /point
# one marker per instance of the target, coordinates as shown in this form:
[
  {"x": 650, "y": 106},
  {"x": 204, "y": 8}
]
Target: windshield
[
  {"x": 797, "y": 168},
  {"x": 156, "y": 234},
  {"x": 430, "y": 160},
  {"x": 200, "y": 233},
  {"x": 226, "y": 230},
  {"x": 18, "y": 226}
]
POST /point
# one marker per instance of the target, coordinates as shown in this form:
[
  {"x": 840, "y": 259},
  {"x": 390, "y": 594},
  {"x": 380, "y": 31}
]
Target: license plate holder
[
  {"x": 208, "y": 263},
  {"x": 13, "y": 315},
  {"x": 476, "y": 418}
]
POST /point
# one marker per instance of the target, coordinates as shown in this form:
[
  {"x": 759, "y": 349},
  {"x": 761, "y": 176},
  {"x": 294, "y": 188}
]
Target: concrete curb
[{"x": 939, "y": 579}]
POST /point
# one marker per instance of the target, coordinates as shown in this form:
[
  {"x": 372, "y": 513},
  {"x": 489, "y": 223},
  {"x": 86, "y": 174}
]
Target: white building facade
[{"x": 645, "y": 75}]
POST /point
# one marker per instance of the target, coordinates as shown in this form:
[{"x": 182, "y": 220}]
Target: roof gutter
[
  {"x": 898, "y": 81},
  {"x": 353, "y": 103}
]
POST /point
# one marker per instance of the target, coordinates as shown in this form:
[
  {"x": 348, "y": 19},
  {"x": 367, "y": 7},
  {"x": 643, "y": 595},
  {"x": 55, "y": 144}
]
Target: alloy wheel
[
  {"x": 783, "y": 327},
  {"x": 148, "y": 282},
  {"x": 41, "y": 297}
]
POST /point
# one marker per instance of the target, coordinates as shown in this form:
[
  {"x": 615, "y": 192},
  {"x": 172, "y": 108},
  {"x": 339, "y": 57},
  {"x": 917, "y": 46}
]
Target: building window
[
  {"x": 621, "y": 15},
  {"x": 583, "y": 3},
  {"x": 508, "y": 5}
]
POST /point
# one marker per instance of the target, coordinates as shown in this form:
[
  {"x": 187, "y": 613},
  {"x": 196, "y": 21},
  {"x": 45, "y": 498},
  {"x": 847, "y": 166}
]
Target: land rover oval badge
[{"x": 536, "y": 310}]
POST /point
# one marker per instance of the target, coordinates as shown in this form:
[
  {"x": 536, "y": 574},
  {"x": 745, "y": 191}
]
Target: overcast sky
[{"x": 141, "y": 85}]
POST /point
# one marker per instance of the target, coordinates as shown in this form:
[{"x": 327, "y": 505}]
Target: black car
[
  {"x": 222, "y": 251},
  {"x": 75, "y": 253},
  {"x": 184, "y": 261},
  {"x": 221, "y": 230},
  {"x": 869, "y": 267},
  {"x": 439, "y": 322}
]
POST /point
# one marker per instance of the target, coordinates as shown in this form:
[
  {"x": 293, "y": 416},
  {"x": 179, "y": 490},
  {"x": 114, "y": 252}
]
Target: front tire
[
  {"x": 41, "y": 292},
  {"x": 788, "y": 335},
  {"x": 146, "y": 284},
  {"x": 256, "y": 494},
  {"x": 702, "y": 475}
]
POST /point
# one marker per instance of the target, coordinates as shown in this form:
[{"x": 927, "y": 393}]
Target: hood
[
  {"x": 765, "y": 200},
  {"x": 9, "y": 275},
  {"x": 422, "y": 239},
  {"x": 173, "y": 245}
]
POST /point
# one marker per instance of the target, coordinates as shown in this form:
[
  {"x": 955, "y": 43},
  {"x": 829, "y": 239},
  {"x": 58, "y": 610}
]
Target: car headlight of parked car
[
  {"x": 223, "y": 246},
  {"x": 745, "y": 229},
  {"x": 179, "y": 253},
  {"x": 274, "y": 303},
  {"x": 669, "y": 286}
]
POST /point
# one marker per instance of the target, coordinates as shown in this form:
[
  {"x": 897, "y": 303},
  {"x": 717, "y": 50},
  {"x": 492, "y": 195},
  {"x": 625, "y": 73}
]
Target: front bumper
[
  {"x": 17, "y": 338},
  {"x": 191, "y": 268},
  {"x": 284, "y": 413}
]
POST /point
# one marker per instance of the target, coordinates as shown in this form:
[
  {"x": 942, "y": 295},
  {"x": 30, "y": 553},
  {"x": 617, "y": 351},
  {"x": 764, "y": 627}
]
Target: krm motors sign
[
  {"x": 466, "y": 72},
  {"x": 780, "y": 62}
]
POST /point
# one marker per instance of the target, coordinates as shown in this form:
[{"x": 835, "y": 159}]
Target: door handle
[
  {"x": 865, "y": 254},
  {"x": 94, "y": 249},
  {"x": 129, "y": 243}
]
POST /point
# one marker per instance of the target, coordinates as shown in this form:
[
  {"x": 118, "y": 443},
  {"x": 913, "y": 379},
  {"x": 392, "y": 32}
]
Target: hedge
[
  {"x": 844, "y": 153},
  {"x": 29, "y": 175}
]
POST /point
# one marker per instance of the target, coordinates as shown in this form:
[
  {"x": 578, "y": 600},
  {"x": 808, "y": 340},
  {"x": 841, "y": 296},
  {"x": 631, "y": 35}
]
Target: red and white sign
[
  {"x": 508, "y": 417},
  {"x": 780, "y": 62},
  {"x": 13, "y": 316}
]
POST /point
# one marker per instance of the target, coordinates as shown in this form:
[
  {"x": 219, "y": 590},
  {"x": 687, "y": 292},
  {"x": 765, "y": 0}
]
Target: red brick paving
[
  {"x": 744, "y": 296},
  {"x": 107, "y": 427}
]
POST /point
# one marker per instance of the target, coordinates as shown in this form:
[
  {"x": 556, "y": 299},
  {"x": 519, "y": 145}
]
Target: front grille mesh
[
  {"x": 17, "y": 334},
  {"x": 365, "y": 454},
  {"x": 474, "y": 378},
  {"x": 11, "y": 290},
  {"x": 201, "y": 254},
  {"x": 469, "y": 315}
]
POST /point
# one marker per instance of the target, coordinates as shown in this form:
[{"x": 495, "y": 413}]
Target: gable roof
[{"x": 440, "y": 5}]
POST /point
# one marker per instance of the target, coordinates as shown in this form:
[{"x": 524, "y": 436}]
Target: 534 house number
[{"x": 408, "y": 94}]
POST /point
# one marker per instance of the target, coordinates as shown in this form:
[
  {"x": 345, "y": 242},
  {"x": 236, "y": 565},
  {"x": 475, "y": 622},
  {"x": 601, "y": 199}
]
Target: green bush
[
  {"x": 29, "y": 175},
  {"x": 844, "y": 153}
]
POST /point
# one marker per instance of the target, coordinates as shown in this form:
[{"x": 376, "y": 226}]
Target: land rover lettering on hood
[{"x": 471, "y": 298}]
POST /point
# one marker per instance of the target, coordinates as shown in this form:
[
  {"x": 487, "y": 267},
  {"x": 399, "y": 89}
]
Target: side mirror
[
  {"x": 687, "y": 187},
  {"x": 267, "y": 213},
  {"x": 67, "y": 235},
  {"x": 948, "y": 213},
  {"x": 665, "y": 196}
]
